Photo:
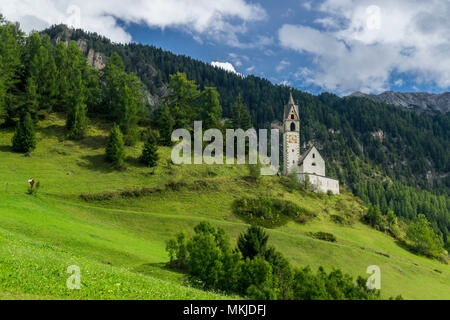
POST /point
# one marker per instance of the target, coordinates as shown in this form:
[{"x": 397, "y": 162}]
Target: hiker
[{"x": 31, "y": 182}]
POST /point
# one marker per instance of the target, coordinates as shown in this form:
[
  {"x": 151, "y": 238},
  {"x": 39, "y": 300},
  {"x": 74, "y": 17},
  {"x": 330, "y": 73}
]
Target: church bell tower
[{"x": 291, "y": 136}]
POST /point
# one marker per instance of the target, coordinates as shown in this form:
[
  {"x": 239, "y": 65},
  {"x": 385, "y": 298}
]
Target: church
[{"x": 311, "y": 164}]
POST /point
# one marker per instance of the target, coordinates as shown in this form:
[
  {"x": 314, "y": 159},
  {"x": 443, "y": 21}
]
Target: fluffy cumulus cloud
[
  {"x": 358, "y": 44},
  {"x": 195, "y": 16}
]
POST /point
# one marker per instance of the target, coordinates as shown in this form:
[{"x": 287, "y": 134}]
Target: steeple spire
[{"x": 291, "y": 100}]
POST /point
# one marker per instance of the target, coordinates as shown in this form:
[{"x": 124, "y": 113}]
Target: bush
[
  {"x": 260, "y": 272},
  {"x": 266, "y": 212},
  {"x": 423, "y": 239},
  {"x": 373, "y": 218},
  {"x": 150, "y": 155},
  {"x": 324, "y": 236},
  {"x": 24, "y": 139},
  {"x": 115, "y": 150},
  {"x": 254, "y": 171}
]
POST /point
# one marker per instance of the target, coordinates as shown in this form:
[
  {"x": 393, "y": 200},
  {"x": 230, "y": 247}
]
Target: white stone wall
[
  {"x": 291, "y": 151},
  {"x": 321, "y": 183},
  {"x": 313, "y": 163}
]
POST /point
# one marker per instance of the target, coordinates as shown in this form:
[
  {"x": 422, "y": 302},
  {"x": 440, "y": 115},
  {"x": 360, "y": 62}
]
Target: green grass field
[{"x": 119, "y": 244}]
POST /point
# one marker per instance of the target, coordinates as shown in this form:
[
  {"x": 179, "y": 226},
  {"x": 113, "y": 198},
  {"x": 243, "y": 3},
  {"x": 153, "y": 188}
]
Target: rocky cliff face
[{"x": 420, "y": 101}]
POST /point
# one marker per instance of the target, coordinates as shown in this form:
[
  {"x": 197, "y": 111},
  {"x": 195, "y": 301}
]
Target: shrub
[
  {"x": 373, "y": 218},
  {"x": 266, "y": 212},
  {"x": 423, "y": 239},
  {"x": 253, "y": 242},
  {"x": 149, "y": 155},
  {"x": 24, "y": 139},
  {"x": 324, "y": 236},
  {"x": 115, "y": 150},
  {"x": 254, "y": 171}
]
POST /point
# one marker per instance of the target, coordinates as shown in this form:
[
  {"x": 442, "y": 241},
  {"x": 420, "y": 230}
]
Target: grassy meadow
[{"x": 118, "y": 240}]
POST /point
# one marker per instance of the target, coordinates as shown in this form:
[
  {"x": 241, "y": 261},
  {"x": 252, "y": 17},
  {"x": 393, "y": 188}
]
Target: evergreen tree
[
  {"x": 150, "y": 155},
  {"x": 165, "y": 124},
  {"x": 31, "y": 105},
  {"x": 253, "y": 242},
  {"x": 24, "y": 139},
  {"x": 76, "y": 121},
  {"x": 240, "y": 115},
  {"x": 115, "y": 150},
  {"x": 210, "y": 110},
  {"x": 2, "y": 91}
]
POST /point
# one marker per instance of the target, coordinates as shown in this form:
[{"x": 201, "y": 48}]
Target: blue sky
[{"x": 340, "y": 46}]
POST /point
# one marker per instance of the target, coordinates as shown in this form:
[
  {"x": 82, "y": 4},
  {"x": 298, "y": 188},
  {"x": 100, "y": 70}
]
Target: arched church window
[
  {"x": 292, "y": 117},
  {"x": 314, "y": 155},
  {"x": 292, "y": 126},
  {"x": 314, "y": 164}
]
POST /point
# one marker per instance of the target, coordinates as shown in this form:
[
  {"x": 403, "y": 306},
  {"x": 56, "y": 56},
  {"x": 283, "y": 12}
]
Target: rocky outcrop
[{"x": 418, "y": 101}]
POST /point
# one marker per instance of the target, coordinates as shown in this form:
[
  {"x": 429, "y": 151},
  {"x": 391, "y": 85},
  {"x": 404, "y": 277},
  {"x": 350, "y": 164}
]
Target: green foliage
[
  {"x": 256, "y": 270},
  {"x": 253, "y": 242},
  {"x": 325, "y": 236},
  {"x": 333, "y": 286},
  {"x": 149, "y": 155},
  {"x": 115, "y": 150},
  {"x": 423, "y": 239},
  {"x": 24, "y": 139},
  {"x": 373, "y": 217},
  {"x": 254, "y": 171},
  {"x": 165, "y": 124},
  {"x": 240, "y": 117},
  {"x": 266, "y": 212}
]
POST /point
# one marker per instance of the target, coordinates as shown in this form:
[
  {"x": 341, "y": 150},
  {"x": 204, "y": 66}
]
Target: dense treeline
[{"x": 256, "y": 270}]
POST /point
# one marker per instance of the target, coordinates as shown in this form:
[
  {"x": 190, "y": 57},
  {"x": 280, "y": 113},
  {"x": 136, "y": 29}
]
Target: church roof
[
  {"x": 287, "y": 108},
  {"x": 303, "y": 157}
]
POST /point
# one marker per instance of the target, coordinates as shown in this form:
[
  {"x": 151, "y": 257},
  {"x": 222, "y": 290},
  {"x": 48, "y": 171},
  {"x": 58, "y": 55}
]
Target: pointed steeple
[{"x": 291, "y": 100}]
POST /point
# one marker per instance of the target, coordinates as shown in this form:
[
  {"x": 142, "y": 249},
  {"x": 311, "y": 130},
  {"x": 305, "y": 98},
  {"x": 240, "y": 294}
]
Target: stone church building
[{"x": 309, "y": 164}]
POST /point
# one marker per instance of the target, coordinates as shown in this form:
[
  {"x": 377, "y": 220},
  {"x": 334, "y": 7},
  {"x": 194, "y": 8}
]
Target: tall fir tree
[
  {"x": 24, "y": 139},
  {"x": 76, "y": 116},
  {"x": 31, "y": 101},
  {"x": 210, "y": 109},
  {"x": 150, "y": 155},
  {"x": 165, "y": 123},
  {"x": 115, "y": 150}
]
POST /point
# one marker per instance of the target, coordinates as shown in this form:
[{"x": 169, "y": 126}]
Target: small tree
[
  {"x": 254, "y": 171},
  {"x": 115, "y": 150},
  {"x": 373, "y": 217},
  {"x": 78, "y": 121},
  {"x": 24, "y": 139},
  {"x": 253, "y": 242},
  {"x": 149, "y": 155}
]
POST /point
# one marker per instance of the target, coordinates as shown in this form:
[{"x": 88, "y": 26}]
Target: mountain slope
[
  {"x": 418, "y": 101},
  {"x": 389, "y": 156},
  {"x": 121, "y": 239}
]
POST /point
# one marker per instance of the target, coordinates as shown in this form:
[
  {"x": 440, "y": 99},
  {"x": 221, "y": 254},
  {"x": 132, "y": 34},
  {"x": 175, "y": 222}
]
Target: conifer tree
[
  {"x": 115, "y": 150},
  {"x": 165, "y": 123},
  {"x": 24, "y": 139},
  {"x": 76, "y": 116},
  {"x": 150, "y": 155},
  {"x": 31, "y": 105}
]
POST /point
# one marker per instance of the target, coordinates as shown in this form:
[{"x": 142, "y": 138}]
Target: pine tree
[
  {"x": 115, "y": 150},
  {"x": 150, "y": 155},
  {"x": 165, "y": 123},
  {"x": 76, "y": 116},
  {"x": 31, "y": 105},
  {"x": 24, "y": 139}
]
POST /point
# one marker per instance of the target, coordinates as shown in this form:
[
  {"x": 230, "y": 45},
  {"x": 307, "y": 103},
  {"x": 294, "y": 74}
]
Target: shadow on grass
[
  {"x": 96, "y": 163},
  {"x": 54, "y": 130},
  {"x": 6, "y": 149},
  {"x": 93, "y": 142}
]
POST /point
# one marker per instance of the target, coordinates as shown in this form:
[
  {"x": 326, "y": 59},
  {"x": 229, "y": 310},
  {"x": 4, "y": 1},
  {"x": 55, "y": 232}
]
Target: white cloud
[
  {"x": 282, "y": 65},
  {"x": 225, "y": 66},
  {"x": 197, "y": 16},
  {"x": 370, "y": 42}
]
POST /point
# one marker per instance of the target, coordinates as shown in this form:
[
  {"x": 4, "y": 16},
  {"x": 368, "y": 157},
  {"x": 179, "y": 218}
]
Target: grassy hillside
[{"x": 118, "y": 240}]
